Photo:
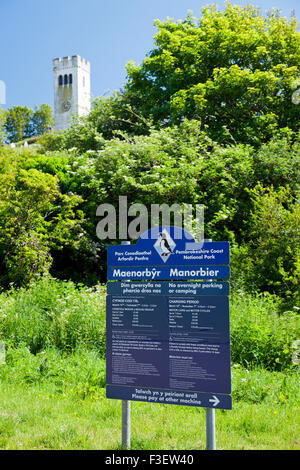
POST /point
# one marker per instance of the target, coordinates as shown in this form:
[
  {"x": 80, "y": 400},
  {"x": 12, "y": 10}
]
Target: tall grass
[
  {"x": 57, "y": 314},
  {"x": 261, "y": 335},
  {"x": 52, "y": 313},
  {"x": 79, "y": 374}
]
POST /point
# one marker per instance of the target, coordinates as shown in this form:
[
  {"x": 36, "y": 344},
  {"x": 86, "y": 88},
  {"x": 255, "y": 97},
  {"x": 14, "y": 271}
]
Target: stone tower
[{"x": 72, "y": 89}]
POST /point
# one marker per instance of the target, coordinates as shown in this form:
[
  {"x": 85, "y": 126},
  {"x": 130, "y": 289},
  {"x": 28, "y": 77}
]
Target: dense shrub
[
  {"x": 269, "y": 258},
  {"x": 35, "y": 217},
  {"x": 178, "y": 164}
]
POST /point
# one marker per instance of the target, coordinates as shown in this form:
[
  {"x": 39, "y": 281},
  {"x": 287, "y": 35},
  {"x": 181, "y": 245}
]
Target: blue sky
[{"x": 108, "y": 33}]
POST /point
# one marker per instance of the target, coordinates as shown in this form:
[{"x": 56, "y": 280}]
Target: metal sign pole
[
  {"x": 210, "y": 429},
  {"x": 126, "y": 431},
  {"x": 210, "y": 417},
  {"x": 126, "y": 424}
]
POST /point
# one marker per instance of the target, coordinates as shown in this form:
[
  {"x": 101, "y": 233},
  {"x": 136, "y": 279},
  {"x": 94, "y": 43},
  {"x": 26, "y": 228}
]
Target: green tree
[
  {"x": 114, "y": 114},
  {"x": 18, "y": 123},
  {"x": 42, "y": 119},
  {"x": 22, "y": 122},
  {"x": 233, "y": 70}
]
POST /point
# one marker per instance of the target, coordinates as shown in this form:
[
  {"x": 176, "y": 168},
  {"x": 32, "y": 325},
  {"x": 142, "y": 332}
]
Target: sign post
[
  {"x": 210, "y": 429},
  {"x": 167, "y": 323},
  {"x": 126, "y": 411},
  {"x": 210, "y": 418}
]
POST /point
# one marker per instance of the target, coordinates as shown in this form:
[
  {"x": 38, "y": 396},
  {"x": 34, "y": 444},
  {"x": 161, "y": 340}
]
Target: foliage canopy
[
  {"x": 21, "y": 122},
  {"x": 233, "y": 70}
]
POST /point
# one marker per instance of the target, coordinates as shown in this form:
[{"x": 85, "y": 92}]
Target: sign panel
[
  {"x": 166, "y": 272},
  {"x": 169, "y": 342},
  {"x": 170, "y": 397},
  {"x": 168, "y": 288},
  {"x": 163, "y": 250},
  {"x": 168, "y": 338}
]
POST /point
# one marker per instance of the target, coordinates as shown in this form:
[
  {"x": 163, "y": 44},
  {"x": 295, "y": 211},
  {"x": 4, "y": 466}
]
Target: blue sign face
[
  {"x": 168, "y": 246},
  {"x": 168, "y": 341}
]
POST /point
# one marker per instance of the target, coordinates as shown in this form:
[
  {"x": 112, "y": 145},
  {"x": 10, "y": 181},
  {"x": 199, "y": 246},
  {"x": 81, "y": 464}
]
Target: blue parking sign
[{"x": 168, "y": 334}]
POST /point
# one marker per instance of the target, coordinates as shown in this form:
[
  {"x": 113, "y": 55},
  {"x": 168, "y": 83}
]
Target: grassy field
[
  {"x": 42, "y": 417},
  {"x": 52, "y": 384}
]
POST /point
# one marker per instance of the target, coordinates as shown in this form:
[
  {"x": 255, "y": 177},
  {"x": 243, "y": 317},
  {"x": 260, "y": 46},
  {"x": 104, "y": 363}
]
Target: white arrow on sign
[{"x": 215, "y": 400}]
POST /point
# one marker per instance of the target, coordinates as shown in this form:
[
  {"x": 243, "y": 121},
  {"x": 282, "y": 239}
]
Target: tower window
[
  {"x": 60, "y": 80},
  {"x": 66, "y": 80},
  {"x": 70, "y": 79},
  {"x": 83, "y": 81}
]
